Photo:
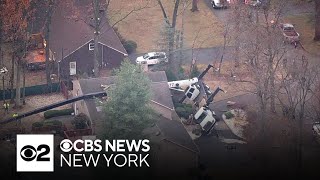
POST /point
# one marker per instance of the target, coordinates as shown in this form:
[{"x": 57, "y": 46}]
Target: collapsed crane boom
[{"x": 58, "y": 104}]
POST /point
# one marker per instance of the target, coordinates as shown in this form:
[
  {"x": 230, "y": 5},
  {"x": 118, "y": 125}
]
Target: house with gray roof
[
  {"x": 161, "y": 100},
  {"x": 172, "y": 142},
  {"x": 71, "y": 39}
]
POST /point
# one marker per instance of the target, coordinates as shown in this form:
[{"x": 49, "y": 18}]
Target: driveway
[{"x": 202, "y": 55}]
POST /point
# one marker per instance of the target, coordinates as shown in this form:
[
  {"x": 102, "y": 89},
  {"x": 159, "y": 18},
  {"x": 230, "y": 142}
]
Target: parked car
[
  {"x": 316, "y": 131},
  {"x": 219, "y": 4},
  {"x": 253, "y": 3},
  {"x": 289, "y": 33},
  {"x": 152, "y": 58}
]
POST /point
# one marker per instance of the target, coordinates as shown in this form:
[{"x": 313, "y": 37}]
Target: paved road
[{"x": 202, "y": 55}]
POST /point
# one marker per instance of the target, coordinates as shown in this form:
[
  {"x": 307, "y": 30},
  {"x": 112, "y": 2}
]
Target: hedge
[
  {"x": 37, "y": 124},
  {"x": 184, "y": 110},
  {"x": 130, "y": 46},
  {"x": 56, "y": 113},
  {"x": 80, "y": 121},
  {"x": 229, "y": 115},
  {"x": 53, "y": 123}
]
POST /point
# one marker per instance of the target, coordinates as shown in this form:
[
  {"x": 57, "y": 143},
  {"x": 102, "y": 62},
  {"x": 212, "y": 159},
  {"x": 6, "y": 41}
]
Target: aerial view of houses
[{"x": 203, "y": 89}]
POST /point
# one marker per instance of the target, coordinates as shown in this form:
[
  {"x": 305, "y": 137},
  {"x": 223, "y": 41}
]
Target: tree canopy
[{"x": 127, "y": 109}]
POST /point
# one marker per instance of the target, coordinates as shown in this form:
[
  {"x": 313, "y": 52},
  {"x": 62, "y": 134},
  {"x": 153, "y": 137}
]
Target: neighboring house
[
  {"x": 174, "y": 154},
  {"x": 71, "y": 39},
  {"x": 160, "y": 101},
  {"x": 36, "y": 57},
  {"x": 171, "y": 141}
]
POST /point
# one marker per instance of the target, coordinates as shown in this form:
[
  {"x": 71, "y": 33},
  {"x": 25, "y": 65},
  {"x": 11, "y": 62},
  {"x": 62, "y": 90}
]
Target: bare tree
[
  {"x": 16, "y": 32},
  {"x": 194, "y": 5},
  {"x": 226, "y": 41},
  {"x": 262, "y": 53},
  {"x": 317, "y": 24},
  {"x": 98, "y": 25},
  {"x": 297, "y": 84},
  {"x": 47, "y": 47},
  {"x": 172, "y": 25}
]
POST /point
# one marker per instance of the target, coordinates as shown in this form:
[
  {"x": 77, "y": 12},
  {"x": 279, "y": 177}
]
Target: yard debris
[
  {"x": 230, "y": 103},
  {"x": 237, "y": 122}
]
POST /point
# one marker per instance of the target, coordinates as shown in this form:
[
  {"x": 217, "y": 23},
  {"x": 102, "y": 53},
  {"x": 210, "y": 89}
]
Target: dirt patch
[
  {"x": 144, "y": 26},
  {"x": 224, "y": 80}
]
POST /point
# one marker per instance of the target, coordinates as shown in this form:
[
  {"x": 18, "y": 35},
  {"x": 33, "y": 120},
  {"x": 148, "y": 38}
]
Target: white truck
[
  {"x": 206, "y": 117},
  {"x": 193, "y": 90},
  {"x": 182, "y": 84}
]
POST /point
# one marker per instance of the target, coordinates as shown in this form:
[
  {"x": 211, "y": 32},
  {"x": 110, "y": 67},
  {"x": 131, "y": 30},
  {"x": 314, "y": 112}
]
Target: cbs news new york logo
[{"x": 35, "y": 153}]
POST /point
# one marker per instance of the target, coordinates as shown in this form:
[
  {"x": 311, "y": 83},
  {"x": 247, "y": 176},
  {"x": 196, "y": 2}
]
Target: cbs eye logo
[
  {"x": 66, "y": 145},
  {"x": 35, "y": 153},
  {"x": 29, "y": 153}
]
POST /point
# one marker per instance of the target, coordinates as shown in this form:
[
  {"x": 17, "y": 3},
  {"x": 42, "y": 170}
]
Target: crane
[
  {"x": 193, "y": 87},
  {"x": 206, "y": 117}
]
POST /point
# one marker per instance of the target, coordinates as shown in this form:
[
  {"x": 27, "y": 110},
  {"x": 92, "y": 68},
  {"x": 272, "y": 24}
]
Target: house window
[
  {"x": 91, "y": 46},
  {"x": 73, "y": 68}
]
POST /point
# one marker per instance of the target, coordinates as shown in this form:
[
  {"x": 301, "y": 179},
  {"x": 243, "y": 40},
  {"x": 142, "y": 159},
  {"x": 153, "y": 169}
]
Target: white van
[{"x": 219, "y": 4}]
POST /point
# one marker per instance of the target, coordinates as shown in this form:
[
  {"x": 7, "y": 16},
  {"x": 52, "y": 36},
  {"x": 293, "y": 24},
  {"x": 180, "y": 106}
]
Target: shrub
[
  {"x": 37, "y": 124},
  {"x": 229, "y": 115},
  {"x": 195, "y": 71},
  {"x": 130, "y": 46},
  {"x": 80, "y": 121},
  {"x": 181, "y": 73},
  {"x": 116, "y": 30},
  {"x": 170, "y": 75},
  {"x": 184, "y": 110},
  {"x": 55, "y": 113},
  {"x": 53, "y": 123}
]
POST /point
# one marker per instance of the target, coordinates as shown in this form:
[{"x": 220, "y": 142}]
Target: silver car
[{"x": 152, "y": 58}]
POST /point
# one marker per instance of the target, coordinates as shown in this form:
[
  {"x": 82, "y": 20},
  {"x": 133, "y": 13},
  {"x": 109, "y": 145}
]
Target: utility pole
[
  {"x": 97, "y": 20},
  {"x": 47, "y": 48}
]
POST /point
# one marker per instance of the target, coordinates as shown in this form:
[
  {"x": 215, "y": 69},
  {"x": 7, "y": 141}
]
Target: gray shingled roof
[
  {"x": 70, "y": 29},
  {"x": 161, "y": 94},
  {"x": 174, "y": 131},
  {"x": 159, "y": 86},
  {"x": 94, "y": 84}
]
